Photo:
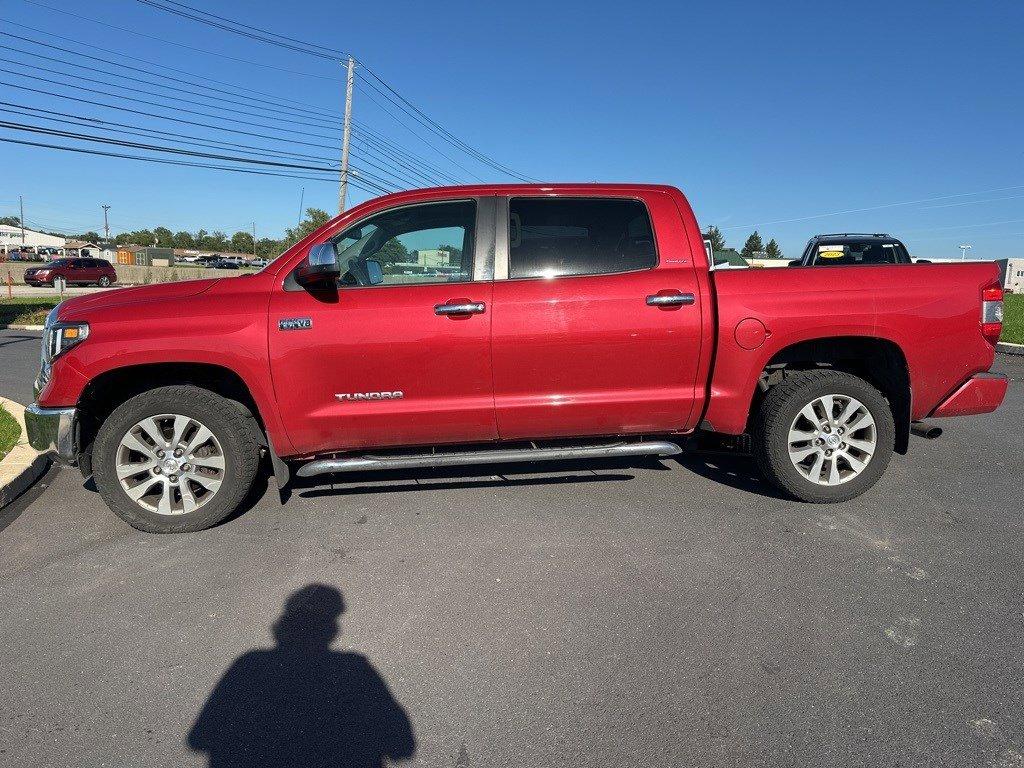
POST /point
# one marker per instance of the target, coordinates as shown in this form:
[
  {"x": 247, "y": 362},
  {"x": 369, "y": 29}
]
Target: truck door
[
  {"x": 399, "y": 352},
  {"x": 595, "y": 328}
]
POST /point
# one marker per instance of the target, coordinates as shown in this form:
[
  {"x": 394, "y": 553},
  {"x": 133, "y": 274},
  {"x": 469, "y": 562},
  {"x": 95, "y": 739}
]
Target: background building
[{"x": 10, "y": 239}]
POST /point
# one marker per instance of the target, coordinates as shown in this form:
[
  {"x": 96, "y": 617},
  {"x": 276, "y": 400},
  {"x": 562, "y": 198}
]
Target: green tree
[
  {"x": 268, "y": 248},
  {"x": 241, "y": 242},
  {"x": 714, "y": 234},
  {"x": 392, "y": 252},
  {"x": 752, "y": 246},
  {"x": 200, "y": 238},
  {"x": 164, "y": 237},
  {"x": 183, "y": 239},
  {"x": 773, "y": 250},
  {"x": 89, "y": 237},
  {"x": 315, "y": 218},
  {"x": 11, "y": 221}
]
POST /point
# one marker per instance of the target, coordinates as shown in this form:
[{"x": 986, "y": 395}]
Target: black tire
[
  {"x": 232, "y": 427},
  {"x": 780, "y": 407},
  {"x": 104, "y": 282}
]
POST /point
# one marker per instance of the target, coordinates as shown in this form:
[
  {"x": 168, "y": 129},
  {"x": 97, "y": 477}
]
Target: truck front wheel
[
  {"x": 823, "y": 436},
  {"x": 175, "y": 459}
]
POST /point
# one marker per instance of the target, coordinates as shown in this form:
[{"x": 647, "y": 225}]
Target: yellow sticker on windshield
[{"x": 830, "y": 252}]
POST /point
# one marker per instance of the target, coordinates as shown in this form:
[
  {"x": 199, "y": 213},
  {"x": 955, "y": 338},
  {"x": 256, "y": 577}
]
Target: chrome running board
[{"x": 497, "y": 456}]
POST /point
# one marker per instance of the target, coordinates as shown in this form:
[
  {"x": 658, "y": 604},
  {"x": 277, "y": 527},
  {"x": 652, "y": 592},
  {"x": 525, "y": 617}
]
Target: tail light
[{"x": 992, "y": 312}]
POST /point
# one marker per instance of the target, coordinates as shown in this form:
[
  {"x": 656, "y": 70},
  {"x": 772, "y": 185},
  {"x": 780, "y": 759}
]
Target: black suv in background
[{"x": 847, "y": 248}]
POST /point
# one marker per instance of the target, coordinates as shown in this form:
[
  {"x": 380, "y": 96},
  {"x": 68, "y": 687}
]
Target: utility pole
[
  {"x": 964, "y": 248},
  {"x": 347, "y": 134},
  {"x": 254, "y": 240},
  {"x": 106, "y": 224},
  {"x": 21, "y": 219}
]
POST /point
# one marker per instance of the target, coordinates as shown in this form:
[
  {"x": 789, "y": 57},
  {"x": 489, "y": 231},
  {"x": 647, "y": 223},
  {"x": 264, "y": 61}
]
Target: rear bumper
[
  {"x": 53, "y": 431},
  {"x": 982, "y": 393}
]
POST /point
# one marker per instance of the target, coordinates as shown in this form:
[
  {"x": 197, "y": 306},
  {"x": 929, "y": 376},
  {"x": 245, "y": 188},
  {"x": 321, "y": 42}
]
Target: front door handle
[
  {"x": 670, "y": 300},
  {"x": 467, "y": 308}
]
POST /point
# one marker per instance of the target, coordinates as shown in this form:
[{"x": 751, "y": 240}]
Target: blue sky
[{"x": 766, "y": 114}]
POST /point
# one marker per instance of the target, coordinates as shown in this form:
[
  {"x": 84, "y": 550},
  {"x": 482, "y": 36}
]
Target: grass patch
[
  {"x": 1013, "y": 319},
  {"x": 26, "y": 310},
  {"x": 10, "y": 431}
]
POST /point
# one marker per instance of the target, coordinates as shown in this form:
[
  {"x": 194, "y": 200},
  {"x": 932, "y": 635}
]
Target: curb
[
  {"x": 1010, "y": 349},
  {"x": 21, "y": 327},
  {"x": 23, "y": 465}
]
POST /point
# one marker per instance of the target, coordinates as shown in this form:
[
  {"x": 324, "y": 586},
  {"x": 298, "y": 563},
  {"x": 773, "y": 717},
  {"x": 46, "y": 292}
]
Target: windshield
[{"x": 847, "y": 252}]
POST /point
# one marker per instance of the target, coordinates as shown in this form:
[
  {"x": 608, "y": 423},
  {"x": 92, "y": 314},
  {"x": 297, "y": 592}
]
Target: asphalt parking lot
[{"x": 672, "y": 613}]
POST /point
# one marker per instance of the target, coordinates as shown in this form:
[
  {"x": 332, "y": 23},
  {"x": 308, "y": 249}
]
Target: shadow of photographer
[{"x": 301, "y": 703}]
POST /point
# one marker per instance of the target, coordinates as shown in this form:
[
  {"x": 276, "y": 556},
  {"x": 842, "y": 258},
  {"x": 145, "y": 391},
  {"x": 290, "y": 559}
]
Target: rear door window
[{"x": 552, "y": 237}]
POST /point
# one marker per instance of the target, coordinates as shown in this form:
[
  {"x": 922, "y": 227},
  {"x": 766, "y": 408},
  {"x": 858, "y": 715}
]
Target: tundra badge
[
  {"x": 346, "y": 396},
  {"x": 295, "y": 324}
]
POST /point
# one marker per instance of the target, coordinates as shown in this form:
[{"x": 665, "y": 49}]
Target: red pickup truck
[{"x": 499, "y": 323}]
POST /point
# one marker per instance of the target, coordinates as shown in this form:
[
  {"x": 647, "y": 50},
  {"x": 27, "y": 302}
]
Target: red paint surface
[
  {"x": 548, "y": 358},
  {"x": 981, "y": 394}
]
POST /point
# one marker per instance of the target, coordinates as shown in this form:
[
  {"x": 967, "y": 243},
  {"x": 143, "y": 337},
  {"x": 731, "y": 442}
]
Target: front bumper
[
  {"x": 53, "y": 431},
  {"x": 982, "y": 393}
]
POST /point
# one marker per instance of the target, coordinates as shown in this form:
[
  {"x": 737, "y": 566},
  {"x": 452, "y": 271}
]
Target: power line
[
  {"x": 154, "y": 133},
  {"x": 184, "y": 138},
  {"x": 391, "y": 146},
  {"x": 163, "y": 69},
  {"x": 257, "y": 29},
  {"x": 161, "y": 117},
  {"x": 259, "y": 35},
  {"x": 163, "y": 161},
  {"x": 161, "y": 106},
  {"x": 179, "y": 45},
  {"x": 385, "y": 89},
  {"x": 324, "y": 123},
  {"x": 367, "y": 178},
  {"x": 450, "y": 159},
  {"x": 156, "y": 147}
]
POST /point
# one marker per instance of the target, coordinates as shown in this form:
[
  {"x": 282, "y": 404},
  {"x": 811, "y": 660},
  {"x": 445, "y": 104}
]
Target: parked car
[
  {"x": 846, "y": 249},
  {"x": 75, "y": 271},
  {"x": 571, "y": 322},
  {"x": 223, "y": 264}
]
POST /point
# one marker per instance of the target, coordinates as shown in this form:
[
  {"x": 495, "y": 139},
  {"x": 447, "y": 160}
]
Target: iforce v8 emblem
[{"x": 295, "y": 324}]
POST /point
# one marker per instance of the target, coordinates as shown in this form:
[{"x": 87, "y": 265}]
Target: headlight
[{"x": 58, "y": 338}]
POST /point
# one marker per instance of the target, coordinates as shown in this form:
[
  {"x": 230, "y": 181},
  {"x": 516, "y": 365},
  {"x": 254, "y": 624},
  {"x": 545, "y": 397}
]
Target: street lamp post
[{"x": 964, "y": 248}]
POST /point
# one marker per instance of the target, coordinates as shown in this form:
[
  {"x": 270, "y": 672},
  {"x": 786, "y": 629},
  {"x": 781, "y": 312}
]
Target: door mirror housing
[
  {"x": 374, "y": 271},
  {"x": 320, "y": 266}
]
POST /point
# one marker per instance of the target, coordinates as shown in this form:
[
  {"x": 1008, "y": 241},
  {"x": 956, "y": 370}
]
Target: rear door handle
[
  {"x": 670, "y": 299},
  {"x": 468, "y": 308}
]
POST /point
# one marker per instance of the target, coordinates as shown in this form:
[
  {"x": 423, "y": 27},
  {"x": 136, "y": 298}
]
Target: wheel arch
[
  {"x": 108, "y": 390},
  {"x": 879, "y": 361}
]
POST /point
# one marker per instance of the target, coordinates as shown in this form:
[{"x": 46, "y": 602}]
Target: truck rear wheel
[
  {"x": 823, "y": 436},
  {"x": 175, "y": 459}
]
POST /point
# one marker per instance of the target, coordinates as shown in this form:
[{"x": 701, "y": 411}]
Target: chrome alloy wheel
[
  {"x": 832, "y": 439},
  {"x": 170, "y": 464}
]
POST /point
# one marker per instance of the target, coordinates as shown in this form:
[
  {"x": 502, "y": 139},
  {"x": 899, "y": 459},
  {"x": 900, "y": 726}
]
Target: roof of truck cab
[{"x": 541, "y": 188}]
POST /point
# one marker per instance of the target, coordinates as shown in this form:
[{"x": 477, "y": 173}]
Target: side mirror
[
  {"x": 374, "y": 271},
  {"x": 797, "y": 263},
  {"x": 321, "y": 266}
]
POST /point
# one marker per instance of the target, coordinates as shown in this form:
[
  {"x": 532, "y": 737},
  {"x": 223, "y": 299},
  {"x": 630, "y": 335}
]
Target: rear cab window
[{"x": 553, "y": 237}]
